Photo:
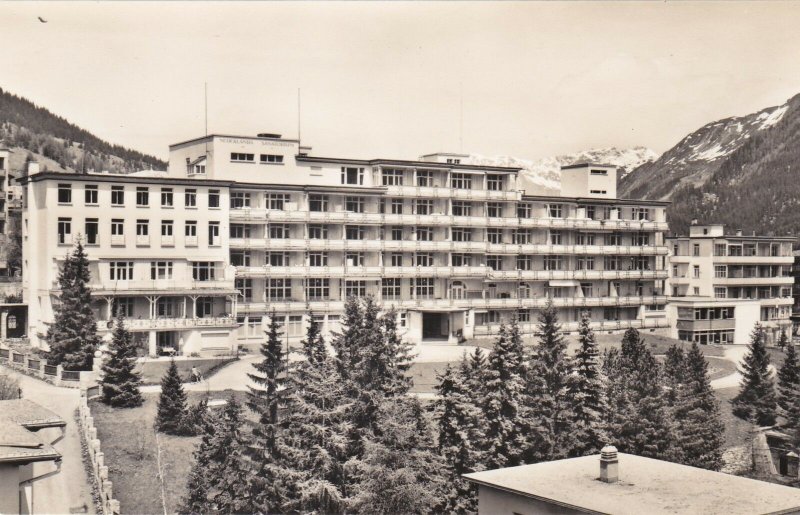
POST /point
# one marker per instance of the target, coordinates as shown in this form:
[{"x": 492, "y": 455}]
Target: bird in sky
[{"x": 42, "y": 20}]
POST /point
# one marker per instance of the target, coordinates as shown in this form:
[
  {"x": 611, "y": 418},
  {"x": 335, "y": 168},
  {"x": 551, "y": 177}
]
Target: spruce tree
[
  {"x": 120, "y": 381},
  {"x": 197, "y": 499},
  {"x": 674, "y": 372},
  {"x": 172, "y": 408},
  {"x": 783, "y": 341},
  {"x": 699, "y": 428},
  {"x": 72, "y": 337},
  {"x": 756, "y": 400},
  {"x": 549, "y": 399},
  {"x": 789, "y": 393},
  {"x": 313, "y": 344},
  {"x": 230, "y": 472},
  {"x": 586, "y": 393},
  {"x": 502, "y": 405}
]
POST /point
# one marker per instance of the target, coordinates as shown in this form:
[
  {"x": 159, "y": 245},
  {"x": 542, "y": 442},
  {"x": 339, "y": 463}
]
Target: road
[
  {"x": 70, "y": 488},
  {"x": 734, "y": 353}
]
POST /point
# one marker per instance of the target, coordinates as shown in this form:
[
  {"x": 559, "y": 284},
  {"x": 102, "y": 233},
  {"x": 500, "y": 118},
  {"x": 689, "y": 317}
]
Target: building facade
[
  {"x": 454, "y": 248},
  {"x": 721, "y": 285}
]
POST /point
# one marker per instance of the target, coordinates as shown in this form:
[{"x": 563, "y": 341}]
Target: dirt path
[
  {"x": 70, "y": 488},
  {"x": 734, "y": 354}
]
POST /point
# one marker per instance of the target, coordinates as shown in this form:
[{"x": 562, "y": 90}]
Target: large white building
[
  {"x": 453, "y": 247},
  {"x": 722, "y": 285}
]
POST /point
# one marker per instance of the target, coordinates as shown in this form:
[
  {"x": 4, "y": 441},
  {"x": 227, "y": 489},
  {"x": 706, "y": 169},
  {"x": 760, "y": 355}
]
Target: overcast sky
[{"x": 386, "y": 79}]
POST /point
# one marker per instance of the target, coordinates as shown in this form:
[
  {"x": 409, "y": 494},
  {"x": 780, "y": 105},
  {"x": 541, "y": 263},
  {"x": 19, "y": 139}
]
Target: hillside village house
[
  {"x": 199, "y": 256},
  {"x": 721, "y": 285}
]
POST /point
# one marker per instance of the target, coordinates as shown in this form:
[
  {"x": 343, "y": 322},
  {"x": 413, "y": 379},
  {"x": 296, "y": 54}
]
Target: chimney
[
  {"x": 33, "y": 167},
  {"x": 694, "y": 221},
  {"x": 738, "y": 232},
  {"x": 609, "y": 466}
]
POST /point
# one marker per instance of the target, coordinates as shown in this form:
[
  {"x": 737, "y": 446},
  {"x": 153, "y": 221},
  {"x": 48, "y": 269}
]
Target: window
[
  {"x": 424, "y": 233},
  {"x": 166, "y": 197},
  {"x": 123, "y": 305},
  {"x": 390, "y": 288},
  {"x": 278, "y": 259},
  {"x": 494, "y": 209},
  {"x": 719, "y": 249},
  {"x": 612, "y": 263},
  {"x": 92, "y": 228},
  {"x": 696, "y": 271},
  {"x": 199, "y": 168},
  {"x": 614, "y": 238},
  {"x": 317, "y": 259},
  {"x": 318, "y": 289},
  {"x": 90, "y": 195},
  {"x": 587, "y": 289},
  {"x": 696, "y": 249},
  {"x": 275, "y": 201},
  {"x": 245, "y": 288},
  {"x": 271, "y": 159},
  {"x": 494, "y": 262},
  {"x": 494, "y": 235},
  {"x": 424, "y": 287},
  {"x": 355, "y": 288},
  {"x": 318, "y": 203},
  {"x": 190, "y": 198},
  {"x": 590, "y": 212},
  {"x": 696, "y": 290},
  {"x": 523, "y": 236},
  {"x": 494, "y": 182},
  {"x": 598, "y": 192},
  {"x": 190, "y": 229},
  {"x": 117, "y": 196},
  {"x": 598, "y": 172},
  {"x": 397, "y": 234},
  {"x": 461, "y": 181},
  {"x": 354, "y": 259},
  {"x": 424, "y": 178},
  {"x": 120, "y": 270},
  {"x": 423, "y": 207},
  {"x": 117, "y": 227},
  {"x": 166, "y": 228},
  {"x": 453, "y": 161},
  {"x": 524, "y": 263},
  {"x": 205, "y": 307},
  {"x": 584, "y": 263},
  {"x": 240, "y": 231},
  {"x": 354, "y": 232},
  {"x": 396, "y": 259},
  {"x": 720, "y": 292},
  {"x": 583, "y": 238},
  {"x": 462, "y": 208},
  {"x": 524, "y": 210},
  {"x": 213, "y": 233},
  {"x": 142, "y": 227},
  {"x": 279, "y": 231},
  {"x": 279, "y": 289},
  {"x": 461, "y": 260},
  {"x": 423, "y": 259},
  {"x": 160, "y": 270},
  {"x": 555, "y": 210},
  {"x": 238, "y": 157},
  {"x": 720, "y": 271},
  {"x": 640, "y": 213},
  {"x": 553, "y": 262},
  {"x": 462, "y": 234},
  {"x": 142, "y": 196},
  {"x": 203, "y": 270},
  {"x": 65, "y": 194},
  {"x": 352, "y": 175},
  {"x": 397, "y": 206},
  {"x": 641, "y": 239},
  {"x": 240, "y": 257},
  {"x": 556, "y": 238},
  {"x": 354, "y": 204},
  {"x": 392, "y": 177},
  {"x": 213, "y": 198},
  {"x": 240, "y": 200},
  {"x": 318, "y": 232}
]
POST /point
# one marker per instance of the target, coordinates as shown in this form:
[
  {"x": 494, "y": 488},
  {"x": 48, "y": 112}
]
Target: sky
[{"x": 398, "y": 80}]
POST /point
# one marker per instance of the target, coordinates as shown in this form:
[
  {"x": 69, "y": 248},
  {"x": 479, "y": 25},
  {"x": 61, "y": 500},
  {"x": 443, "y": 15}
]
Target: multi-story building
[
  {"x": 158, "y": 250},
  {"x": 453, "y": 247},
  {"x": 721, "y": 285}
]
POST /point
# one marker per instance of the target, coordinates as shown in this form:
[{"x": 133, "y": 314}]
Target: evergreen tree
[
  {"x": 120, "y": 381},
  {"x": 674, "y": 372},
  {"x": 455, "y": 416},
  {"x": 502, "y": 404},
  {"x": 789, "y": 392},
  {"x": 549, "y": 398},
  {"x": 172, "y": 408},
  {"x": 198, "y": 485},
  {"x": 756, "y": 400},
  {"x": 72, "y": 336},
  {"x": 586, "y": 393},
  {"x": 314, "y": 344},
  {"x": 783, "y": 341},
  {"x": 699, "y": 428},
  {"x": 638, "y": 418},
  {"x": 473, "y": 372}
]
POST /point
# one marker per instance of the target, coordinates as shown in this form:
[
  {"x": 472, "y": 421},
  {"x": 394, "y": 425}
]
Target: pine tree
[
  {"x": 674, "y": 372},
  {"x": 172, "y": 407},
  {"x": 783, "y": 341},
  {"x": 455, "y": 417},
  {"x": 586, "y": 393},
  {"x": 549, "y": 398},
  {"x": 120, "y": 381},
  {"x": 638, "y": 419},
  {"x": 314, "y": 344},
  {"x": 72, "y": 336},
  {"x": 198, "y": 484},
  {"x": 699, "y": 428},
  {"x": 789, "y": 393},
  {"x": 756, "y": 400},
  {"x": 502, "y": 404}
]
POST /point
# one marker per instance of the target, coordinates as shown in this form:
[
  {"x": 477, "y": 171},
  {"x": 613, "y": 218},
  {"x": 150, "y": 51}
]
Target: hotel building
[
  {"x": 721, "y": 285},
  {"x": 252, "y": 225}
]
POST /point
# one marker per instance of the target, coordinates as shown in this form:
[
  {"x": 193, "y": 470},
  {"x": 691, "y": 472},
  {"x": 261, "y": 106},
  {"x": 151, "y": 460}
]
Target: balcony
[
  {"x": 544, "y": 275},
  {"x": 137, "y": 324},
  {"x": 779, "y": 280},
  {"x": 118, "y": 239},
  {"x": 142, "y": 240},
  {"x": 167, "y": 241},
  {"x": 605, "y": 325},
  {"x": 754, "y": 260},
  {"x": 190, "y": 241},
  {"x": 447, "y": 192},
  {"x": 162, "y": 286}
]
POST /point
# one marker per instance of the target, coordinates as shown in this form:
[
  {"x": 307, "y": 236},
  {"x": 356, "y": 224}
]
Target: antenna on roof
[
  {"x": 298, "y": 116},
  {"x": 205, "y": 91},
  {"x": 461, "y": 119}
]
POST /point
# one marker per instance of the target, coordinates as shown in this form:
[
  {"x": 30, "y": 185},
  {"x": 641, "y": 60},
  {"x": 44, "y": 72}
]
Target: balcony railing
[
  {"x": 147, "y": 324},
  {"x": 163, "y": 286},
  {"x": 606, "y": 325}
]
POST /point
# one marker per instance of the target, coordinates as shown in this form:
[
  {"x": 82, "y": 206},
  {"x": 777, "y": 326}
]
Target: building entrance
[{"x": 435, "y": 326}]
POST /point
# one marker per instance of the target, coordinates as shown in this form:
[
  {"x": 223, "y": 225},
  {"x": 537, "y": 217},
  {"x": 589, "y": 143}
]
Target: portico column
[
  {"x": 151, "y": 343},
  {"x": 3, "y": 321}
]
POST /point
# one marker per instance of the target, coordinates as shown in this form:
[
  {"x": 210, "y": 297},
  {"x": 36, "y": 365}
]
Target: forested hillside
[{"x": 26, "y": 127}]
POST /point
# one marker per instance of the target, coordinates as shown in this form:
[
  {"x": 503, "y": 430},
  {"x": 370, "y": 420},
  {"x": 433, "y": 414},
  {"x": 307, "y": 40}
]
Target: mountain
[
  {"x": 741, "y": 171},
  {"x": 34, "y": 133},
  {"x": 543, "y": 175}
]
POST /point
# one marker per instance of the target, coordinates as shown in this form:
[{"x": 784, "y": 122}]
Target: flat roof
[
  {"x": 594, "y": 200},
  {"x": 732, "y": 237},
  {"x": 212, "y": 136},
  {"x": 113, "y": 177},
  {"x": 401, "y": 162},
  {"x": 646, "y": 486},
  {"x": 585, "y": 164}
]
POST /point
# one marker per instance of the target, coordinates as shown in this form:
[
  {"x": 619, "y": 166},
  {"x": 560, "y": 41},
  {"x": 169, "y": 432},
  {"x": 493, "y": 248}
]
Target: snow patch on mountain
[{"x": 769, "y": 119}]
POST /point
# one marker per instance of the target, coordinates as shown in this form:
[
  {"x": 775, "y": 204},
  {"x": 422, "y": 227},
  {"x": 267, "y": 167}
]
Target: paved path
[
  {"x": 70, "y": 488},
  {"x": 735, "y": 354}
]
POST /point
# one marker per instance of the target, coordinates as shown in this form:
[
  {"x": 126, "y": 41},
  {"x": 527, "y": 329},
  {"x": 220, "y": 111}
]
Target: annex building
[{"x": 238, "y": 227}]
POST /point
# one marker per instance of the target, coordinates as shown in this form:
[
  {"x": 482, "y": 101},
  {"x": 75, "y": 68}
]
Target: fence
[
  {"x": 96, "y": 457},
  {"x": 34, "y": 365}
]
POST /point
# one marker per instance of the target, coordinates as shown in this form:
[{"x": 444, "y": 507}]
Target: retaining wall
[{"x": 96, "y": 457}]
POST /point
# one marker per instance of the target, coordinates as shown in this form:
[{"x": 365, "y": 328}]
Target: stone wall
[{"x": 97, "y": 459}]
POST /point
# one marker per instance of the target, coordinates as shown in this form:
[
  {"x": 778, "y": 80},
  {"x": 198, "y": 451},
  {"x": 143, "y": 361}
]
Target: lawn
[
  {"x": 154, "y": 370},
  {"x": 129, "y": 445}
]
